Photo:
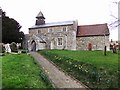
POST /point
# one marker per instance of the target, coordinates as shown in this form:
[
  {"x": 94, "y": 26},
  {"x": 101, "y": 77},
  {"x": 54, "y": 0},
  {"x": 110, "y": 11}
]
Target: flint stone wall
[
  {"x": 53, "y": 33},
  {"x": 98, "y": 42}
]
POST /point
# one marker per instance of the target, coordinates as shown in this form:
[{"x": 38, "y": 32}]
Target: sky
[{"x": 87, "y": 12}]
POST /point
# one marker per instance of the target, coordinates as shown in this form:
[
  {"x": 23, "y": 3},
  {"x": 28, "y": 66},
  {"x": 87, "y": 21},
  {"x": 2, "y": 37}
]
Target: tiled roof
[
  {"x": 93, "y": 30},
  {"x": 53, "y": 24},
  {"x": 42, "y": 38}
]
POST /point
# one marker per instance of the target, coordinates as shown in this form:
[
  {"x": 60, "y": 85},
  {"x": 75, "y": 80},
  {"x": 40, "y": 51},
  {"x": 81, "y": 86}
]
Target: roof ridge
[
  {"x": 93, "y": 24},
  {"x": 61, "y": 21}
]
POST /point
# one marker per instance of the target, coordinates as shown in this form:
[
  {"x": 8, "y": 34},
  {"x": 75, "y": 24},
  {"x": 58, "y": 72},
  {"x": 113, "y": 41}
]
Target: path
[{"x": 57, "y": 77}]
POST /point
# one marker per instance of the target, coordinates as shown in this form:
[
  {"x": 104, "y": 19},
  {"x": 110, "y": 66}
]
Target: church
[{"x": 66, "y": 35}]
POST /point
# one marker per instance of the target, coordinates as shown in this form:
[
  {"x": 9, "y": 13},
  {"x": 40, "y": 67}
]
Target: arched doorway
[{"x": 33, "y": 45}]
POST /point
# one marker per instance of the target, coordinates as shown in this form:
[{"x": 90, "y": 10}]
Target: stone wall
[
  {"x": 66, "y": 32},
  {"x": 98, "y": 42},
  {"x": 68, "y": 37}
]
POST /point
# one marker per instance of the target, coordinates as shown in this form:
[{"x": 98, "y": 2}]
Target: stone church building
[{"x": 66, "y": 35}]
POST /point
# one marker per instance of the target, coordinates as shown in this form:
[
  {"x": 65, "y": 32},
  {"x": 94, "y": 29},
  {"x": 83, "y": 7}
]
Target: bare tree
[{"x": 116, "y": 22}]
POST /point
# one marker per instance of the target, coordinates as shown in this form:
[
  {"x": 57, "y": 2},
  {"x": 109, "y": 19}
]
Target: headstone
[
  {"x": 18, "y": 47},
  {"x": 7, "y": 48},
  {"x": 13, "y": 47},
  {"x": 117, "y": 45},
  {"x": 114, "y": 48},
  {"x": 111, "y": 45}
]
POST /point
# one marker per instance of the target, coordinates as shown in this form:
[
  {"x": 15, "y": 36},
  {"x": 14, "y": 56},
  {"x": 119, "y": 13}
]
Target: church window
[
  {"x": 65, "y": 29},
  {"x": 59, "y": 41}
]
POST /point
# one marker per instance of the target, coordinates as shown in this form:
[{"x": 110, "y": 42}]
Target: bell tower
[{"x": 40, "y": 19}]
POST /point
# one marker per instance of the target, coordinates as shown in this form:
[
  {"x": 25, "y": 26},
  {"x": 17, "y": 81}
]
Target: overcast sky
[{"x": 85, "y": 11}]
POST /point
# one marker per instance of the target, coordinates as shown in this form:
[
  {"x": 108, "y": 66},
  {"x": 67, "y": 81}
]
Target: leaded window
[{"x": 59, "y": 41}]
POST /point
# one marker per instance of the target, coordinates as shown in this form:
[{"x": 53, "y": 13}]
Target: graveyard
[
  {"x": 69, "y": 47},
  {"x": 92, "y": 68}
]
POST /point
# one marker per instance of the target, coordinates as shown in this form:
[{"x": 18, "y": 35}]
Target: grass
[
  {"x": 21, "y": 71},
  {"x": 95, "y": 57},
  {"x": 90, "y": 67}
]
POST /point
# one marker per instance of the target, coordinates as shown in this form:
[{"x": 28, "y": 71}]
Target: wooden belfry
[{"x": 40, "y": 19}]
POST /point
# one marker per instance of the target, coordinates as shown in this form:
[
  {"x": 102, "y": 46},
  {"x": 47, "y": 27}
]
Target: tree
[
  {"x": 116, "y": 21},
  {"x": 11, "y": 30}
]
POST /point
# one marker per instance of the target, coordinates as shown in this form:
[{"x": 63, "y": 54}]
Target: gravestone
[
  {"x": 13, "y": 47},
  {"x": 7, "y": 48},
  {"x": 114, "y": 48},
  {"x": 2, "y": 48}
]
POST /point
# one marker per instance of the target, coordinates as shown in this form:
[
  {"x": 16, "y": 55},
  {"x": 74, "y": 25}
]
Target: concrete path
[{"x": 58, "y": 78}]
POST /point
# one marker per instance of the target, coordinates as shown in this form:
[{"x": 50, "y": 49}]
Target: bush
[{"x": 13, "y": 47}]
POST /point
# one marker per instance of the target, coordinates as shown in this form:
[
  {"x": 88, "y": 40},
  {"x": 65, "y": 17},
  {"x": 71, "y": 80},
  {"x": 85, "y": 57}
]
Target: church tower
[{"x": 40, "y": 19}]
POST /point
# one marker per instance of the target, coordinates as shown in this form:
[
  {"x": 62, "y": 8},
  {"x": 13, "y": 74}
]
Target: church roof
[
  {"x": 93, "y": 30},
  {"x": 53, "y": 24},
  {"x": 39, "y": 38},
  {"x": 42, "y": 38},
  {"x": 40, "y": 15}
]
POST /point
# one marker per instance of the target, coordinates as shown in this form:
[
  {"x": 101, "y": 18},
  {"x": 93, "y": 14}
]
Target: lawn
[
  {"x": 21, "y": 71},
  {"x": 90, "y": 67},
  {"x": 95, "y": 57}
]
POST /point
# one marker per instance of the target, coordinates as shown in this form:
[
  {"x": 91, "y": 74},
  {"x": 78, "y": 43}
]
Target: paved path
[{"x": 57, "y": 77}]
